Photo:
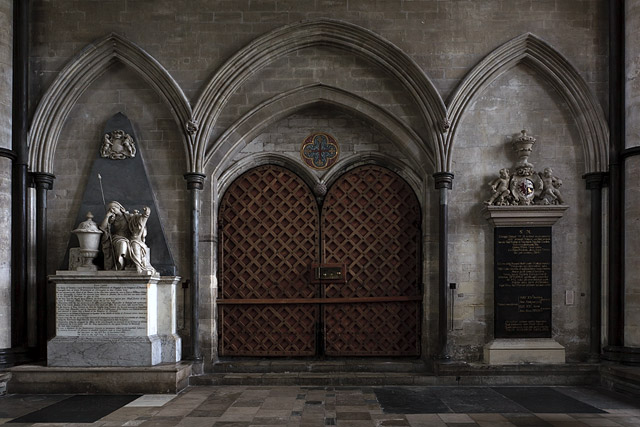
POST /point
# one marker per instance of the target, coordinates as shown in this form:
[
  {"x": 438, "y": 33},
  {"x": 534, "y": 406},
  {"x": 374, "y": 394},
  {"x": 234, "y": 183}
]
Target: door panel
[
  {"x": 269, "y": 303},
  {"x": 269, "y": 237},
  {"x": 371, "y": 222}
]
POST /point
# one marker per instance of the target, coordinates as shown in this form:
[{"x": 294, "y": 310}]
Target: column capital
[
  {"x": 195, "y": 181},
  {"x": 43, "y": 180},
  {"x": 443, "y": 180},
  {"x": 595, "y": 180}
]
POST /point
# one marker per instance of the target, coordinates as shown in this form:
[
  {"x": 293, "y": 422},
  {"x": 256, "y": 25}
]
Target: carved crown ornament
[
  {"x": 118, "y": 145},
  {"x": 522, "y": 195}
]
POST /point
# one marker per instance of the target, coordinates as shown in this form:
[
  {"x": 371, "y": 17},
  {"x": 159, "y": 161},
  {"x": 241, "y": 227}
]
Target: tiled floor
[{"x": 244, "y": 406}]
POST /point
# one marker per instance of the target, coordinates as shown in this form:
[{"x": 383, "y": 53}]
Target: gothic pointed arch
[
  {"x": 79, "y": 74},
  {"x": 420, "y": 155},
  {"x": 244, "y": 165},
  {"x": 336, "y": 34},
  {"x": 554, "y": 68},
  {"x": 415, "y": 181}
]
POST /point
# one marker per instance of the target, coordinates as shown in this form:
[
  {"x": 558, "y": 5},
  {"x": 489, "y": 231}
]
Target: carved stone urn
[{"x": 89, "y": 239}]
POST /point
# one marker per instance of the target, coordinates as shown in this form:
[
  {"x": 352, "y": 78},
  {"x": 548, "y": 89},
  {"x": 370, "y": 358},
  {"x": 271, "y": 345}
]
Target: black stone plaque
[{"x": 522, "y": 282}]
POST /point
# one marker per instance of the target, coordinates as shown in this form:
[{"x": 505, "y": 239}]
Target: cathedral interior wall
[
  {"x": 192, "y": 39},
  {"x": 519, "y": 98}
]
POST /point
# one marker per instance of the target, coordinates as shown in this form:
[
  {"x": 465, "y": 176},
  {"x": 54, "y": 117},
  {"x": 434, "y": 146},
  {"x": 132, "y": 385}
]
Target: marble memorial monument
[
  {"x": 121, "y": 315},
  {"x": 522, "y": 208}
]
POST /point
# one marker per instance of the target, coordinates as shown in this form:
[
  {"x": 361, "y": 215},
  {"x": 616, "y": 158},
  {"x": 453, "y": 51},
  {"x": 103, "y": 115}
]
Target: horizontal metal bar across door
[{"x": 359, "y": 300}]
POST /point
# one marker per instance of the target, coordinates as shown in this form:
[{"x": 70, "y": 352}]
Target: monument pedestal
[
  {"x": 171, "y": 343},
  {"x": 110, "y": 318},
  {"x": 522, "y": 285},
  {"x": 515, "y": 351}
]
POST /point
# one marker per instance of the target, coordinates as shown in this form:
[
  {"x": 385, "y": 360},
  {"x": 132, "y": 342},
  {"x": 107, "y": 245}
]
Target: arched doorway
[{"x": 277, "y": 245}]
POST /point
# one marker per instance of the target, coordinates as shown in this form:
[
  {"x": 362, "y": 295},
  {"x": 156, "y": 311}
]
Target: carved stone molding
[
  {"x": 443, "y": 180},
  {"x": 518, "y": 216},
  {"x": 195, "y": 181},
  {"x": 43, "y": 180}
]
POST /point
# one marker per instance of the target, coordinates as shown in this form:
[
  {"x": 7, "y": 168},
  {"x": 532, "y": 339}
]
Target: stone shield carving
[{"x": 118, "y": 145}]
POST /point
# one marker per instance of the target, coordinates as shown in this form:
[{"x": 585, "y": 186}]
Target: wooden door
[
  {"x": 371, "y": 222},
  {"x": 269, "y": 238}
]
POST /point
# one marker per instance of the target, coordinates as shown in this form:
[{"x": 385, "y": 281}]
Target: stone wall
[
  {"x": 632, "y": 169},
  {"x": 6, "y": 75},
  {"x": 193, "y": 39},
  {"x": 517, "y": 100}
]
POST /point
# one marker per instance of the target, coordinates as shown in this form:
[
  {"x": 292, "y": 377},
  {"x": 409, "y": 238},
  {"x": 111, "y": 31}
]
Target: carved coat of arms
[
  {"x": 118, "y": 145},
  {"x": 525, "y": 187}
]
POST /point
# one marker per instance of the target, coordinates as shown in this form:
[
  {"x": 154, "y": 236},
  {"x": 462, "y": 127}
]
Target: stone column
[
  {"x": 595, "y": 182},
  {"x": 19, "y": 128},
  {"x": 444, "y": 183},
  {"x": 195, "y": 184},
  {"x": 6, "y": 163},
  {"x": 631, "y": 167},
  {"x": 43, "y": 183}
]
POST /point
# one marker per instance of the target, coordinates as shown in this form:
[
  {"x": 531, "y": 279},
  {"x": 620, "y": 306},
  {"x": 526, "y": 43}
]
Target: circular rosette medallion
[{"x": 320, "y": 151}]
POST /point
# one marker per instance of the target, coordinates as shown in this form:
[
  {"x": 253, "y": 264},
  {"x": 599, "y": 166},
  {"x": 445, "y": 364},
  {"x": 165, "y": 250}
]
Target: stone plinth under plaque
[
  {"x": 525, "y": 350},
  {"x": 523, "y": 285},
  {"x": 111, "y": 318}
]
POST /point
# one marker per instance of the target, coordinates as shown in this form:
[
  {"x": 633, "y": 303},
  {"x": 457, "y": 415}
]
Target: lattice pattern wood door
[
  {"x": 371, "y": 221},
  {"x": 269, "y": 238}
]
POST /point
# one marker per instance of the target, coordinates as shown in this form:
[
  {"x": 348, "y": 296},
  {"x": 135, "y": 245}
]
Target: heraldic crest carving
[
  {"x": 118, "y": 145},
  {"x": 525, "y": 186}
]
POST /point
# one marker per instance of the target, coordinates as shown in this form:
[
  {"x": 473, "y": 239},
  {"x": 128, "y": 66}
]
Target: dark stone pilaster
[
  {"x": 444, "y": 183},
  {"x": 19, "y": 249},
  {"x": 43, "y": 182},
  {"x": 595, "y": 182},
  {"x": 615, "y": 327},
  {"x": 195, "y": 183}
]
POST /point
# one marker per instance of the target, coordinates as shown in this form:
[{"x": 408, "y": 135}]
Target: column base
[
  {"x": 523, "y": 350},
  {"x": 624, "y": 355}
]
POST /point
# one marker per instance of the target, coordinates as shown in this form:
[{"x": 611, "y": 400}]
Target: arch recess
[
  {"x": 341, "y": 35},
  {"x": 244, "y": 165},
  {"x": 248, "y": 127},
  {"x": 554, "y": 68},
  {"x": 78, "y": 75},
  {"x": 344, "y": 165},
  {"x": 415, "y": 181}
]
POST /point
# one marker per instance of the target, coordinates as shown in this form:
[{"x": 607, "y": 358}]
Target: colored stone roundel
[{"x": 320, "y": 151}]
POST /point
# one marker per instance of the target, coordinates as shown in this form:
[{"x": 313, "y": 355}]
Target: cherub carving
[
  {"x": 500, "y": 189},
  {"x": 550, "y": 188}
]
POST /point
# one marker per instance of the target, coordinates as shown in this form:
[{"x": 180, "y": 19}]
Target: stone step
[
  {"x": 320, "y": 379},
  {"x": 620, "y": 378},
  {"x": 360, "y": 373},
  {"x": 320, "y": 366}
]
